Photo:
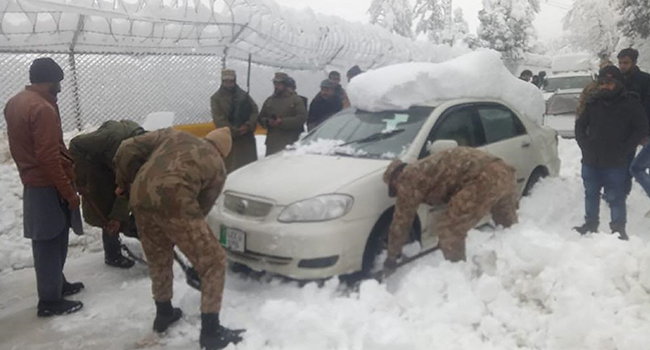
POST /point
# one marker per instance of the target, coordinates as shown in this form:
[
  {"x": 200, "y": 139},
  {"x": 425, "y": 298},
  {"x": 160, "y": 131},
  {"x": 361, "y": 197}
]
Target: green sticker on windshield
[{"x": 391, "y": 124}]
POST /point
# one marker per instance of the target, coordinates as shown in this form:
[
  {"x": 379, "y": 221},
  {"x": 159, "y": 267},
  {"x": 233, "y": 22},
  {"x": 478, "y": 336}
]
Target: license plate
[{"x": 233, "y": 239}]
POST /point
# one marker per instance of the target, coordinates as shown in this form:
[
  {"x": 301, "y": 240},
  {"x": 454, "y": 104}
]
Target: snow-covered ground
[{"x": 537, "y": 285}]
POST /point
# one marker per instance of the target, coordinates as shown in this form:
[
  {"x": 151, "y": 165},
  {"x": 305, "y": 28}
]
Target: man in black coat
[
  {"x": 633, "y": 78},
  {"x": 324, "y": 105},
  {"x": 608, "y": 131},
  {"x": 639, "y": 83}
]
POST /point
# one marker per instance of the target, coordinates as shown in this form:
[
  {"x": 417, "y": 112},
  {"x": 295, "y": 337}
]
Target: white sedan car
[
  {"x": 561, "y": 112},
  {"x": 313, "y": 213}
]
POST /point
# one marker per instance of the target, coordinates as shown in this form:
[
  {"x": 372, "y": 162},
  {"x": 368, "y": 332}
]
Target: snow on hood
[
  {"x": 479, "y": 74},
  {"x": 289, "y": 177}
]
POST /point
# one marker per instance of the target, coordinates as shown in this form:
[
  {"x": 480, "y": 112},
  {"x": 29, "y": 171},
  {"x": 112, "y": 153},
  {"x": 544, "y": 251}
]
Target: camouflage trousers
[
  {"x": 159, "y": 234},
  {"x": 493, "y": 191}
]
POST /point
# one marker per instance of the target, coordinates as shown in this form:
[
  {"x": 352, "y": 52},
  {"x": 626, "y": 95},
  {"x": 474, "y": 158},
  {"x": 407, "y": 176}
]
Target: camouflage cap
[
  {"x": 228, "y": 74},
  {"x": 280, "y": 77},
  {"x": 222, "y": 138}
]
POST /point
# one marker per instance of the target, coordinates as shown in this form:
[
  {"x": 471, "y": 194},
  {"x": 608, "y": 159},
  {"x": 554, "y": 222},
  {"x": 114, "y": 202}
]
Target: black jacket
[
  {"x": 610, "y": 130},
  {"x": 320, "y": 109},
  {"x": 639, "y": 82}
]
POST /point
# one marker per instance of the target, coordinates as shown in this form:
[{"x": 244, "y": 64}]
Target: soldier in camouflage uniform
[
  {"x": 472, "y": 183},
  {"x": 283, "y": 115},
  {"x": 173, "y": 180},
  {"x": 93, "y": 155}
]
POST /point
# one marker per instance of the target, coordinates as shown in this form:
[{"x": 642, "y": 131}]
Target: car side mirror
[{"x": 441, "y": 145}]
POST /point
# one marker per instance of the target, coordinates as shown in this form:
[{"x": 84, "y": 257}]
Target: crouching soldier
[
  {"x": 93, "y": 154},
  {"x": 472, "y": 183},
  {"x": 173, "y": 180}
]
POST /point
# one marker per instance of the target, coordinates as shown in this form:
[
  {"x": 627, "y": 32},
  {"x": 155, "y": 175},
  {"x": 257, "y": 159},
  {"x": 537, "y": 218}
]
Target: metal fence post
[
  {"x": 75, "y": 91},
  {"x": 248, "y": 77},
  {"x": 75, "y": 78}
]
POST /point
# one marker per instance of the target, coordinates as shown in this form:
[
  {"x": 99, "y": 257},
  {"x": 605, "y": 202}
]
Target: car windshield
[
  {"x": 372, "y": 134},
  {"x": 562, "y": 104},
  {"x": 565, "y": 83}
]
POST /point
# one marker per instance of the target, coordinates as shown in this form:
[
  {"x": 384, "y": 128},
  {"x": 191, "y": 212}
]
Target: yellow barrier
[{"x": 200, "y": 130}]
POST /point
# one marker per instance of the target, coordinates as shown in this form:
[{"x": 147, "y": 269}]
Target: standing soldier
[
  {"x": 233, "y": 107},
  {"x": 50, "y": 202},
  {"x": 473, "y": 184},
  {"x": 93, "y": 154},
  {"x": 174, "y": 179},
  {"x": 283, "y": 115}
]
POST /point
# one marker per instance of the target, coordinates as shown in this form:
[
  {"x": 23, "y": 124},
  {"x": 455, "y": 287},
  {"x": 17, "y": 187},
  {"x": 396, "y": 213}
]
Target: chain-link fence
[{"x": 101, "y": 87}]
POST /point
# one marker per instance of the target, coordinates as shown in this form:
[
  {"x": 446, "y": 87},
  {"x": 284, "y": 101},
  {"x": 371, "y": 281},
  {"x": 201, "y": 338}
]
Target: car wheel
[{"x": 538, "y": 174}]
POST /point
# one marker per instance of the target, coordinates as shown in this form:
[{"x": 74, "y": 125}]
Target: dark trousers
[
  {"x": 49, "y": 259},
  {"x": 639, "y": 169},
  {"x": 111, "y": 245},
  {"x": 614, "y": 181}
]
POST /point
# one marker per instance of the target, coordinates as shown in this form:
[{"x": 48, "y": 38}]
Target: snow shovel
[
  {"x": 191, "y": 276},
  {"x": 381, "y": 275}
]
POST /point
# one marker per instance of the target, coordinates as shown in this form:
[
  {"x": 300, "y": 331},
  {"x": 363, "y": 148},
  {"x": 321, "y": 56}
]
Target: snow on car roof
[
  {"x": 571, "y": 74},
  {"x": 573, "y": 62},
  {"x": 477, "y": 75}
]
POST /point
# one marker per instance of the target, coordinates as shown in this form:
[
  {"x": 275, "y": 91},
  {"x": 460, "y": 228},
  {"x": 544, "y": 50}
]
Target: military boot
[
  {"x": 587, "y": 227},
  {"x": 620, "y": 229},
  {"x": 166, "y": 315},
  {"x": 214, "y": 336}
]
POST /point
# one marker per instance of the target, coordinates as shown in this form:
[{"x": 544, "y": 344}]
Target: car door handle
[{"x": 525, "y": 145}]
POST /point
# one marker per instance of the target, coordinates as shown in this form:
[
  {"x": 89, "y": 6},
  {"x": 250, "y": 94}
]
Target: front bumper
[{"x": 298, "y": 250}]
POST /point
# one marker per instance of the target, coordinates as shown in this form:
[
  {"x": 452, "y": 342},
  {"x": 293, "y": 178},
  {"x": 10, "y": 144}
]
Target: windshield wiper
[{"x": 375, "y": 137}]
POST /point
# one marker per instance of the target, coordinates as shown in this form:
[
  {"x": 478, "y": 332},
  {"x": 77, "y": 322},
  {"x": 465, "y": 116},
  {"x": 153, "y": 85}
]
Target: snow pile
[
  {"x": 537, "y": 285},
  {"x": 158, "y": 120},
  {"x": 573, "y": 63},
  {"x": 478, "y": 74}
]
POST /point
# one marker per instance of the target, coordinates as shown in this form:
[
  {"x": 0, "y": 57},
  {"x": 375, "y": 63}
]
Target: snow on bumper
[{"x": 298, "y": 250}]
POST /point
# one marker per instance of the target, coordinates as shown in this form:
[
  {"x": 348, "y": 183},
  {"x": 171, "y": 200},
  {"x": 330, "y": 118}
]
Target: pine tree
[
  {"x": 635, "y": 21},
  {"x": 429, "y": 17},
  {"x": 459, "y": 27},
  {"x": 592, "y": 26},
  {"x": 394, "y": 15},
  {"x": 507, "y": 26}
]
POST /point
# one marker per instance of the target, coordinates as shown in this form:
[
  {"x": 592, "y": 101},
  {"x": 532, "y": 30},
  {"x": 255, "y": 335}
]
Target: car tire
[{"x": 537, "y": 175}]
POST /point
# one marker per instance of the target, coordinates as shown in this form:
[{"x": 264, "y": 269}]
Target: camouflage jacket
[
  {"x": 432, "y": 180},
  {"x": 95, "y": 177},
  {"x": 170, "y": 172}
]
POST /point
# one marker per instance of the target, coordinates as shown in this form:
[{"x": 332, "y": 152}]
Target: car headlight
[{"x": 321, "y": 208}]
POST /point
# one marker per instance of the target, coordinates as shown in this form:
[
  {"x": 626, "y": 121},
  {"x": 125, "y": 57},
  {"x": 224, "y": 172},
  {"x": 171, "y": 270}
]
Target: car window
[
  {"x": 499, "y": 123},
  {"x": 351, "y": 125},
  {"x": 553, "y": 84},
  {"x": 562, "y": 104},
  {"x": 460, "y": 124}
]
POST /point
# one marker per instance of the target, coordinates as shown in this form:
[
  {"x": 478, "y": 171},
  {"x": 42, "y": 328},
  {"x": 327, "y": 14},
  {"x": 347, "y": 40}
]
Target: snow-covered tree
[
  {"x": 592, "y": 26},
  {"x": 635, "y": 20},
  {"x": 394, "y": 15},
  {"x": 507, "y": 26},
  {"x": 459, "y": 27},
  {"x": 430, "y": 19}
]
